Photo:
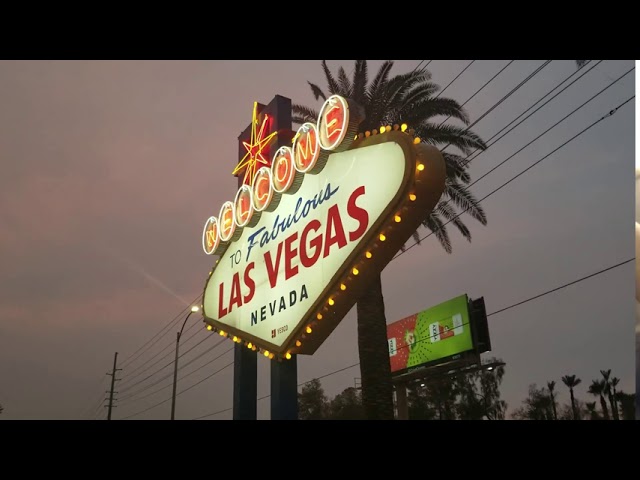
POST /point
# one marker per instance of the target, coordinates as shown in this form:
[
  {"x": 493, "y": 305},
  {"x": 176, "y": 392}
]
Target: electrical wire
[
  {"x": 456, "y": 77},
  {"x": 530, "y": 299}
]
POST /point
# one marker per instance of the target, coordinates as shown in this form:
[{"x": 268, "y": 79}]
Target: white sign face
[{"x": 268, "y": 279}]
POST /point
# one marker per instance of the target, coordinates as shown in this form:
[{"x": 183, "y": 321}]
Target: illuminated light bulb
[
  {"x": 288, "y": 356},
  {"x": 343, "y": 286},
  {"x": 308, "y": 330},
  {"x": 331, "y": 302},
  {"x": 253, "y": 349},
  {"x": 221, "y": 332},
  {"x": 271, "y": 355},
  {"x": 367, "y": 133},
  {"x": 382, "y": 237},
  {"x": 383, "y": 129},
  {"x": 210, "y": 273},
  {"x": 209, "y": 327},
  {"x": 416, "y": 140},
  {"x": 298, "y": 343},
  {"x": 388, "y": 129},
  {"x": 319, "y": 316},
  {"x": 368, "y": 255},
  {"x": 375, "y": 132},
  {"x": 412, "y": 197},
  {"x": 266, "y": 353},
  {"x": 420, "y": 167},
  {"x": 195, "y": 309},
  {"x": 355, "y": 271},
  {"x": 235, "y": 339},
  {"x": 403, "y": 127},
  {"x": 249, "y": 345},
  {"x": 397, "y": 218}
]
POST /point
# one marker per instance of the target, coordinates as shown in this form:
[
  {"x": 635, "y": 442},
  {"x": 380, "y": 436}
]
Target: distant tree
[
  {"x": 571, "y": 382},
  {"x": 420, "y": 407},
  {"x": 1, "y": 409},
  {"x": 479, "y": 394},
  {"x": 597, "y": 390},
  {"x": 608, "y": 391},
  {"x": 552, "y": 398},
  {"x": 591, "y": 411},
  {"x": 627, "y": 405},
  {"x": 347, "y": 406},
  {"x": 537, "y": 406},
  {"x": 312, "y": 402},
  {"x": 614, "y": 396}
]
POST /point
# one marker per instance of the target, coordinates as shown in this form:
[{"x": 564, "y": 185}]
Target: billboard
[
  {"x": 431, "y": 336},
  {"x": 302, "y": 238}
]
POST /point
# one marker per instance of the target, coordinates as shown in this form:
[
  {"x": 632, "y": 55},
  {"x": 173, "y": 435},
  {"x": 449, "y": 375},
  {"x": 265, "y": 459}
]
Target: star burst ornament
[{"x": 254, "y": 159}]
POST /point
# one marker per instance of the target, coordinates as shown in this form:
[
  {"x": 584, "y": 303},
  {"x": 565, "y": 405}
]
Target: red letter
[
  {"x": 221, "y": 310},
  {"x": 272, "y": 270},
  {"x": 236, "y": 298},
  {"x": 316, "y": 243},
  {"x": 333, "y": 217},
  {"x": 248, "y": 281},
  {"x": 357, "y": 213},
  {"x": 290, "y": 254}
]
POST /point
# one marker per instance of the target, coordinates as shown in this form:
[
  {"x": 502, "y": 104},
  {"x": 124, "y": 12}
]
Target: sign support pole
[
  {"x": 401, "y": 400},
  {"x": 284, "y": 389},
  {"x": 245, "y": 383}
]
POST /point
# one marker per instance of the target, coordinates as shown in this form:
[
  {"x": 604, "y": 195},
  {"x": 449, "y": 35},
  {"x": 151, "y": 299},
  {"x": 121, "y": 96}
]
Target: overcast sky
[{"x": 110, "y": 168}]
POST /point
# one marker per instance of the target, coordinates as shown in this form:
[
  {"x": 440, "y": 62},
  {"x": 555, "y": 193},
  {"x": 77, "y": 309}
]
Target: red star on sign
[{"x": 254, "y": 159}]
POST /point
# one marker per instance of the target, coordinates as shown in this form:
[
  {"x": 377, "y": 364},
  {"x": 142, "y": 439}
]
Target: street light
[{"x": 175, "y": 366}]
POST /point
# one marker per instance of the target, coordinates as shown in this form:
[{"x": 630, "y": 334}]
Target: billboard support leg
[
  {"x": 245, "y": 383},
  {"x": 401, "y": 399},
  {"x": 284, "y": 389}
]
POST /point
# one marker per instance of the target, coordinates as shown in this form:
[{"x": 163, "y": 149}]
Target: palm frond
[
  {"x": 379, "y": 80},
  {"x": 360, "y": 78},
  {"x": 449, "y": 214},
  {"x": 465, "y": 200},
  {"x": 424, "y": 110},
  {"x": 464, "y": 139},
  {"x": 304, "y": 113},
  {"x": 331, "y": 82},
  {"x": 345, "y": 83},
  {"x": 317, "y": 91},
  {"x": 456, "y": 167},
  {"x": 435, "y": 224}
]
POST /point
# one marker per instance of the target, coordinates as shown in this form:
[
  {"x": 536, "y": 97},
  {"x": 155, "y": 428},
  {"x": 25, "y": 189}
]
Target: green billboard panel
[{"x": 430, "y": 336}]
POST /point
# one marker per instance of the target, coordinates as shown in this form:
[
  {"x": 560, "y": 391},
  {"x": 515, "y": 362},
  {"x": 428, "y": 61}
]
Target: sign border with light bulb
[{"x": 420, "y": 186}]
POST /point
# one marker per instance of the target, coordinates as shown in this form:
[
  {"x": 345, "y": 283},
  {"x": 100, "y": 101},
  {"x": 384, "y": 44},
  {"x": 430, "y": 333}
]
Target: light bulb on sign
[{"x": 298, "y": 343}]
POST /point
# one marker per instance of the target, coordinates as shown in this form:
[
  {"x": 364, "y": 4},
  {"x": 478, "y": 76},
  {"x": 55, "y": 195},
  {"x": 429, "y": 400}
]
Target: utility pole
[{"x": 113, "y": 382}]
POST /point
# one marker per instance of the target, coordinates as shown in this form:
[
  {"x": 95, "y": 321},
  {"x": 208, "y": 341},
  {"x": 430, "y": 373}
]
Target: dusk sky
[{"x": 110, "y": 169}]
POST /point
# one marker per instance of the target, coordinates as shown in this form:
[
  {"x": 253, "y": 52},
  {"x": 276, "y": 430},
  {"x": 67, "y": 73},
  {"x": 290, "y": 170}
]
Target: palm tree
[
  {"x": 591, "y": 408},
  {"x": 404, "y": 98},
  {"x": 551, "y": 386},
  {"x": 596, "y": 389},
  {"x": 608, "y": 391},
  {"x": 571, "y": 382},
  {"x": 614, "y": 383}
]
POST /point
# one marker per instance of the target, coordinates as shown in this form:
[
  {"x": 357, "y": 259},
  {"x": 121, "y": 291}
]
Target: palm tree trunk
[
  {"x": 614, "y": 410},
  {"x": 375, "y": 367},
  {"x": 605, "y": 410},
  {"x": 553, "y": 404},
  {"x": 573, "y": 405}
]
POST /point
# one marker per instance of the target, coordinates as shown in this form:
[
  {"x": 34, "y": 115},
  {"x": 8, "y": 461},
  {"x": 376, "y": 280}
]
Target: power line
[
  {"x": 183, "y": 376},
  {"x": 456, "y": 77},
  {"x": 480, "y": 89},
  {"x": 168, "y": 325},
  {"x": 179, "y": 393},
  {"x": 611, "y": 112},
  {"x": 128, "y": 387},
  {"x": 167, "y": 365},
  {"x": 497, "y": 104},
  {"x": 535, "y": 297},
  {"x": 583, "y": 73}
]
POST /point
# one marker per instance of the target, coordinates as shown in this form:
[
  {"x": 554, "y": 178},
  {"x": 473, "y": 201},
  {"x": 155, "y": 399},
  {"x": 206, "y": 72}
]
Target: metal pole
[
  {"x": 175, "y": 378},
  {"x": 113, "y": 381}
]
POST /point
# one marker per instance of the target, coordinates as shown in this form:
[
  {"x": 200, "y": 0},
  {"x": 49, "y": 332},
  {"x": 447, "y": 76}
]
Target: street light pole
[{"x": 175, "y": 365}]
